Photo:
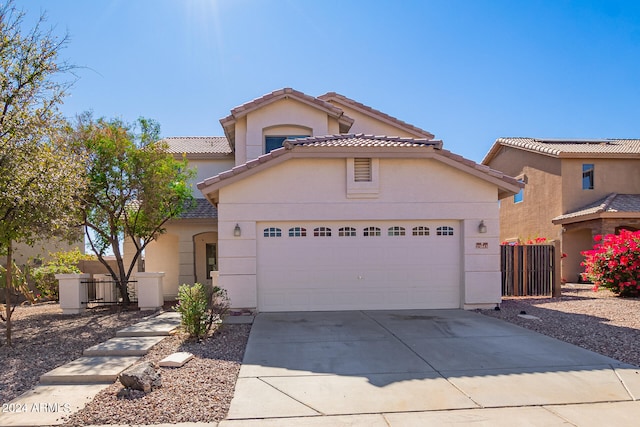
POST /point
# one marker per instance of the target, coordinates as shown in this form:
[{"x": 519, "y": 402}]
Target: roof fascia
[
  {"x": 596, "y": 215},
  {"x": 507, "y": 186}
]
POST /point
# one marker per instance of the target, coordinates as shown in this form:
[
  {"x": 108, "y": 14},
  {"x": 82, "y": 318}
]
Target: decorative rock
[
  {"x": 142, "y": 376},
  {"x": 176, "y": 360}
]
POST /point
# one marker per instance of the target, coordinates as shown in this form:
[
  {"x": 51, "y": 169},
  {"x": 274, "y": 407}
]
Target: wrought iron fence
[{"x": 105, "y": 292}]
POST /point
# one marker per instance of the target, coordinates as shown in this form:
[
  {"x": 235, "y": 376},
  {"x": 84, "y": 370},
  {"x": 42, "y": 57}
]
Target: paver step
[
  {"x": 89, "y": 370},
  {"x": 123, "y": 346},
  {"x": 156, "y": 326}
]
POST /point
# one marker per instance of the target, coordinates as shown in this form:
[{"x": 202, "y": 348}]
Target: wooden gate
[{"x": 530, "y": 270}]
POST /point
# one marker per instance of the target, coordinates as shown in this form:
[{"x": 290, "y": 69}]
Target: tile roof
[
  {"x": 201, "y": 209},
  {"x": 198, "y": 145},
  {"x": 569, "y": 147},
  {"x": 379, "y": 114},
  {"x": 613, "y": 203},
  {"x": 361, "y": 142},
  {"x": 228, "y": 122}
]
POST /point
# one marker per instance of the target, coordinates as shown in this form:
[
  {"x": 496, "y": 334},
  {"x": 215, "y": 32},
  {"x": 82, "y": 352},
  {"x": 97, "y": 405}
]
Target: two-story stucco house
[
  {"x": 575, "y": 189},
  {"x": 302, "y": 208}
]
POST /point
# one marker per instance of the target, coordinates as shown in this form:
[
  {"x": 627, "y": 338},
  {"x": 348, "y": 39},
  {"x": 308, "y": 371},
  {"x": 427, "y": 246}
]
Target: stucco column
[
  {"x": 150, "y": 290},
  {"x": 73, "y": 293}
]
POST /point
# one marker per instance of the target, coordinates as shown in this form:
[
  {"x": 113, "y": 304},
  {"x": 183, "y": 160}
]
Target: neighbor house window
[
  {"x": 519, "y": 196},
  {"x": 297, "y": 232},
  {"x": 444, "y": 231},
  {"x": 347, "y": 232},
  {"x": 272, "y": 232},
  {"x": 322, "y": 232},
  {"x": 274, "y": 142},
  {"x": 587, "y": 176},
  {"x": 421, "y": 231},
  {"x": 371, "y": 232},
  {"x": 396, "y": 231}
]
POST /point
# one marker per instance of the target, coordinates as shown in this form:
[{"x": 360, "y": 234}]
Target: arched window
[
  {"x": 420, "y": 231},
  {"x": 272, "y": 232},
  {"x": 322, "y": 232},
  {"x": 396, "y": 231},
  {"x": 347, "y": 232},
  {"x": 297, "y": 232},
  {"x": 371, "y": 232},
  {"x": 444, "y": 231}
]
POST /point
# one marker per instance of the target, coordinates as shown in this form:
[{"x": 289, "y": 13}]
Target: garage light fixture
[
  {"x": 482, "y": 228},
  {"x": 236, "y": 231}
]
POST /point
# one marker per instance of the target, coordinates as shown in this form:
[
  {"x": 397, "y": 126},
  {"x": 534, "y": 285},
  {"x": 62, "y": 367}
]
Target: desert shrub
[
  {"x": 614, "y": 262},
  {"x": 201, "y": 307},
  {"x": 63, "y": 262}
]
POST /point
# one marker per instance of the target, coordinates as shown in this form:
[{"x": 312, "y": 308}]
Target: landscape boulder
[{"x": 142, "y": 376}]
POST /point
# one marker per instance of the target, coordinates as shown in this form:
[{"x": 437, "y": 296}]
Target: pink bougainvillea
[{"x": 614, "y": 262}]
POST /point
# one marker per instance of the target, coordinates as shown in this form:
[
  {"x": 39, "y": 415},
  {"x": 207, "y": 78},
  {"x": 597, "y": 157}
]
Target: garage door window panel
[
  {"x": 347, "y": 232},
  {"x": 371, "y": 232},
  {"x": 397, "y": 231},
  {"x": 272, "y": 232},
  {"x": 444, "y": 231},
  {"x": 298, "y": 232},
  {"x": 322, "y": 232},
  {"x": 421, "y": 231}
]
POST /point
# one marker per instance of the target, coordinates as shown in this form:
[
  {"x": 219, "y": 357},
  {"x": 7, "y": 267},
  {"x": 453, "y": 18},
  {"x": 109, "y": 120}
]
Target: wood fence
[{"x": 530, "y": 270}]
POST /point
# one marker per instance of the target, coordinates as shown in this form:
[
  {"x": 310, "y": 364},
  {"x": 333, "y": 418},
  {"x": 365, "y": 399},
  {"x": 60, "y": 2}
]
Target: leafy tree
[
  {"x": 135, "y": 187},
  {"x": 38, "y": 173}
]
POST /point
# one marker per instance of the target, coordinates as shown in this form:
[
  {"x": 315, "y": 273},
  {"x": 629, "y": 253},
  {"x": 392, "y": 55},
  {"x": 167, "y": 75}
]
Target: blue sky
[{"x": 468, "y": 71}]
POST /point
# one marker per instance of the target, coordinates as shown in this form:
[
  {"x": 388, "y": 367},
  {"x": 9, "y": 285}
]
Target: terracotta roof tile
[
  {"x": 614, "y": 202},
  {"x": 197, "y": 145},
  {"x": 361, "y": 140},
  {"x": 569, "y": 147}
]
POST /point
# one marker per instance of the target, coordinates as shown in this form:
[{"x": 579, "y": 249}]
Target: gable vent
[{"x": 362, "y": 170}]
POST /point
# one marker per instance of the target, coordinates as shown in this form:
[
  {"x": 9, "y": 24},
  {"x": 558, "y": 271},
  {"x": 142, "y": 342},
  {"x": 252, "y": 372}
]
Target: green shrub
[
  {"x": 60, "y": 263},
  {"x": 200, "y": 307}
]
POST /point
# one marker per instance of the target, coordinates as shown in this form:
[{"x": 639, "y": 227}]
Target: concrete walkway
[
  {"x": 423, "y": 367},
  {"x": 68, "y": 388}
]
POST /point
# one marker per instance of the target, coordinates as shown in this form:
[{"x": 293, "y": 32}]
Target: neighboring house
[
  {"x": 575, "y": 189},
  {"x": 314, "y": 213}
]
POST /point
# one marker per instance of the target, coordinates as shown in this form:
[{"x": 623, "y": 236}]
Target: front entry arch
[{"x": 205, "y": 256}]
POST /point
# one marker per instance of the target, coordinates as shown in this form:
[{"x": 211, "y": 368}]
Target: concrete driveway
[{"x": 423, "y": 367}]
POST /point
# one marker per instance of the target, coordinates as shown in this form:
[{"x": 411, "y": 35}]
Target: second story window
[
  {"x": 587, "y": 176},
  {"x": 274, "y": 142}
]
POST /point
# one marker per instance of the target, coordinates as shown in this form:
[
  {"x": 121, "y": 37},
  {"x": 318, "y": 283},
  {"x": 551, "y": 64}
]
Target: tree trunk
[{"x": 8, "y": 291}]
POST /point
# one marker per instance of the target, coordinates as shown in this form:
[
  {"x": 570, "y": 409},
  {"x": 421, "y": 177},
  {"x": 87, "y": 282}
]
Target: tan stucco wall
[
  {"x": 23, "y": 253},
  {"x": 611, "y": 176},
  {"x": 409, "y": 189},
  {"x": 206, "y": 169},
  {"x": 282, "y": 113},
  {"x": 542, "y": 199},
  {"x": 173, "y": 253}
]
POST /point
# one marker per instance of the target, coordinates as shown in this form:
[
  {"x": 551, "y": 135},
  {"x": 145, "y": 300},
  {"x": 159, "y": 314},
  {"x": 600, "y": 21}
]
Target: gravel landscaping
[
  {"x": 202, "y": 389},
  {"x": 598, "y": 321},
  {"x": 44, "y": 338}
]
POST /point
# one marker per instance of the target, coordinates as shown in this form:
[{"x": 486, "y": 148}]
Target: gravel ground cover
[
  {"x": 200, "y": 391},
  {"x": 598, "y": 321},
  {"x": 43, "y": 339}
]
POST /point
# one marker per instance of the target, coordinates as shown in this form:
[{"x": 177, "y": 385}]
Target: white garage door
[{"x": 358, "y": 265}]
